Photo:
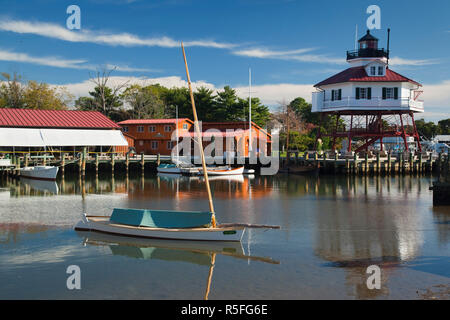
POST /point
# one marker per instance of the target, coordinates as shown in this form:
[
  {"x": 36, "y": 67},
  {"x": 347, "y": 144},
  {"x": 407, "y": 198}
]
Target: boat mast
[{"x": 199, "y": 141}]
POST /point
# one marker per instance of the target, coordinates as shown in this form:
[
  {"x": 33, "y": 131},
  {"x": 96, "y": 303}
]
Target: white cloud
[
  {"x": 6, "y": 55},
  {"x": 397, "y": 61},
  {"x": 57, "y": 62},
  {"x": 294, "y": 55},
  {"x": 113, "y": 39}
]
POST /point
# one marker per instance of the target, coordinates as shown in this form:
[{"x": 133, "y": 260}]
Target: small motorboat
[
  {"x": 168, "y": 168},
  {"x": 40, "y": 172},
  {"x": 222, "y": 171}
]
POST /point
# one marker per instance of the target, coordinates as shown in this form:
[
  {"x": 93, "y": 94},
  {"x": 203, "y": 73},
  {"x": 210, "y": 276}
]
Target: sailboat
[{"x": 168, "y": 224}]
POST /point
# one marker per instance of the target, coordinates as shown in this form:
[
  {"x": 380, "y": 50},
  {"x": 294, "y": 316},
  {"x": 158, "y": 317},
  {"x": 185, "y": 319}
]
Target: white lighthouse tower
[{"x": 369, "y": 100}]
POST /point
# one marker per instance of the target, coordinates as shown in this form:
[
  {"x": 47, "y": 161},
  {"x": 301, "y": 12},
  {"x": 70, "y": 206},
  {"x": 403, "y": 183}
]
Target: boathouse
[
  {"x": 63, "y": 130},
  {"x": 155, "y": 136},
  {"x": 159, "y": 136}
]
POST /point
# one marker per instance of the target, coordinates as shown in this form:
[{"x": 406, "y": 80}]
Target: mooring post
[
  {"x": 112, "y": 163},
  {"x": 96, "y": 163},
  {"x": 439, "y": 162},
  {"x": 142, "y": 162},
  {"x": 335, "y": 160},
  {"x": 63, "y": 162},
  {"x": 26, "y": 159},
  {"x": 420, "y": 163},
  {"x": 355, "y": 163},
  {"x": 411, "y": 162},
  {"x": 80, "y": 163},
  {"x": 378, "y": 163},
  {"x": 127, "y": 161},
  {"x": 366, "y": 163},
  {"x": 83, "y": 172},
  {"x": 158, "y": 160},
  {"x": 389, "y": 162}
]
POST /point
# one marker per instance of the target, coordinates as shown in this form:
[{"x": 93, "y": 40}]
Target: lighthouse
[{"x": 369, "y": 101}]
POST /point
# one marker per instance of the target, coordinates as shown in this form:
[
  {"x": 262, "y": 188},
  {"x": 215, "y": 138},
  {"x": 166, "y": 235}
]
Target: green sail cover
[{"x": 160, "y": 218}]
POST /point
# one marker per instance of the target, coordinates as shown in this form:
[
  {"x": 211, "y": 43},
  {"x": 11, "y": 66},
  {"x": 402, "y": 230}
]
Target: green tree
[
  {"x": 227, "y": 106},
  {"x": 144, "y": 102},
  {"x": 444, "y": 126}
]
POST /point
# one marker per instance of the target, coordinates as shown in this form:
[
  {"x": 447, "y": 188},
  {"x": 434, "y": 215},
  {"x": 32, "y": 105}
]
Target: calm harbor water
[{"x": 332, "y": 229}]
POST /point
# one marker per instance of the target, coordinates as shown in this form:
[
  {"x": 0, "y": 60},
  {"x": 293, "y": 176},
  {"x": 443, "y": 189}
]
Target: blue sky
[{"x": 289, "y": 44}]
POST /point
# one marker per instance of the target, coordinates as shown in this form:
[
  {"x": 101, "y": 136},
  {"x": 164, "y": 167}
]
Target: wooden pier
[
  {"x": 378, "y": 164},
  {"x": 83, "y": 161}
]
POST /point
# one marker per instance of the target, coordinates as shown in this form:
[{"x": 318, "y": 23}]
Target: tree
[
  {"x": 205, "y": 104},
  {"x": 144, "y": 102},
  {"x": 42, "y": 96},
  {"x": 227, "y": 106},
  {"x": 444, "y": 126},
  {"x": 427, "y": 129},
  {"x": 11, "y": 91},
  {"x": 106, "y": 98},
  {"x": 32, "y": 95}
]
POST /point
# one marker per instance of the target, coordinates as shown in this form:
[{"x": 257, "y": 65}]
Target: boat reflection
[
  {"x": 41, "y": 185},
  {"x": 195, "y": 252}
]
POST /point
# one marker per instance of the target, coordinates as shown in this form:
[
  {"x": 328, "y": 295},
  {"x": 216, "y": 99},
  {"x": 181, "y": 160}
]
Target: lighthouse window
[
  {"x": 363, "y": 93},
  {"x": 380, "y": 71},
  {"x": 336, "y": 94},
  {"x": 390, "y": 93}
]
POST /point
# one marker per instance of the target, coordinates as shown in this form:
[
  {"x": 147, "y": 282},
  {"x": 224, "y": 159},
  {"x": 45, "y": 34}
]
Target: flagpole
[{"x": 199, "y": 140}]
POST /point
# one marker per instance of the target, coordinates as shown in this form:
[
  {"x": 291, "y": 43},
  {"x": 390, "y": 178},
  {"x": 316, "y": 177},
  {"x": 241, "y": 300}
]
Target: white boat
[
  {"x": 40, "y": 172},
  {"x": 103, "y": 224},
  {"x": 222, "y": 171},
  {"x": 169, "y": 168},
  {"x": 249, "y": 171}
]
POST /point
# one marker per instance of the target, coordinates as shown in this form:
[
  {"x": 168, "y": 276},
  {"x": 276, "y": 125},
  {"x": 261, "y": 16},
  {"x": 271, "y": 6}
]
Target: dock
[{"x": 378, "y": 164}]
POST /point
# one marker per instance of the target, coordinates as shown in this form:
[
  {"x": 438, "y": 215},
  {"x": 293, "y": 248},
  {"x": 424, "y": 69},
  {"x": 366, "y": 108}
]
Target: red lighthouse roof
[{"x": 359, "y": 74}]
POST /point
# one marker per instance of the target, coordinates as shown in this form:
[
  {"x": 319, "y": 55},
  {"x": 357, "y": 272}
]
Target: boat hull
[
  {"x": 174, "y": 170},
  {"x": 223, "y": 172},
  {"x": 102, "y": 224},
  {"x": 47, "y": 173}
]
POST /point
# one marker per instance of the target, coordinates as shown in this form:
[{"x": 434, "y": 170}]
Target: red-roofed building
[
  {"x": 158, "y": 136},
  {"x": 27, "y": 128},
  {"x": 370, "y": 101},
  {"x": 154, "y": 136}
]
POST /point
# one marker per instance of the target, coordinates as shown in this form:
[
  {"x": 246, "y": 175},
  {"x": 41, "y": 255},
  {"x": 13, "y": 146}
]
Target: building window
[
  {"x": 125, "y": 129},
  {"x": 140, "y": 129},
  {"x": 151, "y": 128},
  {"x": 336, "y": 94},
  {"x": 373, "y": 71},
  {"x": 167, "y": 128},
  {"x": 154, "y": 145},
  {"x": 390, "y": 93},
  {"x": 185, "y": 126},
  {"x": 170, "y": 145},
  {"x": 141, "y": 143},
  {"x": 380, "y": 70},
  {"x": 363, "y": 93}
]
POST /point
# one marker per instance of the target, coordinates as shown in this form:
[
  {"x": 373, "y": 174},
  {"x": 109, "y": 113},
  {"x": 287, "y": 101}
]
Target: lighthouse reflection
[{"x": 374, "y": 225}]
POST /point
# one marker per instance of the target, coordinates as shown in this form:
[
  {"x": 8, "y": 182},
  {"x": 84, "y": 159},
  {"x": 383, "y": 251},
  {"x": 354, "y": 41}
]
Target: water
[{"x": 332, "y": 229}]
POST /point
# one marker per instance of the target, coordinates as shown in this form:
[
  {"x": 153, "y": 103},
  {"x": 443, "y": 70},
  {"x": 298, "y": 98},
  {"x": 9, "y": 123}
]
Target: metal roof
[
  {"x": 153, "y": 121},
  {"x": 359, "y": 74},
  {"x": 30, "y": 118}
]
